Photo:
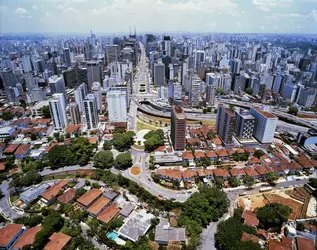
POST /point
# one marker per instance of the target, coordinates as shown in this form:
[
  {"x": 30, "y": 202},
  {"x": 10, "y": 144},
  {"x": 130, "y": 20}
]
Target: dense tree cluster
[
  {"x": 123, "y": 141},
  {"x": 123, "y": 161},
  {"x": 30, "y": 178},
  {"x": 107, "y": 145},
  {"x": 248, "y": 180},
  {"x": 273, "y": 215},
  {"x": 79, "y": 152},
  {"x": 7, "y": 115},
  {"x": 29, "y": 221},
  {"x": 154, "y": 139},
  {"x": 46, "y": 112},
  {"x": 249, "y": 91},
  {"x": 313, "y": 182},
  {"x": 258, "y": 153},
  {"x": 229, "y": 233},
  {"x": 103, "y": 159},
  {"x": 293, "y": 110},
  {"x": 234, "y": 182},
  {"x": 240, "y": 157},
  {"x": 272, "y": 177}
]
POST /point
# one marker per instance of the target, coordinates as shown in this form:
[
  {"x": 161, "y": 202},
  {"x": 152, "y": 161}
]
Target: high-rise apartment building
[
  {"x": 111, "y": 53},
  {"x": 82, "y": 75},
  {"x": 167, "y": 45},
  {"x": 225, "y": 124},
  {"x": 26, "y": 63},
  {"x": 57, "y": 106},
  {"x": 67, "y": 59},
  {"x": 94, "y": 72},
  {"x": 211, "y": 94},
  {"x": 178, "y": 127},
  {"x": 194, "y": 92},
  {"x": 96, "y": 90},
  {"x": 159, "y": 73},
  {"x": 91, "y": 112},
  {"x": 245, "y": 123},
  {"x": 116, "y": 104},
  {"x": 74, "y": 113},
  {"x": 80, "y": 93},
  {"x": 8, "y": 78},
  {"x": 70, "y": 78},
  {"x": 57, "y": 85},
  {"x": 265, "y": 125}
]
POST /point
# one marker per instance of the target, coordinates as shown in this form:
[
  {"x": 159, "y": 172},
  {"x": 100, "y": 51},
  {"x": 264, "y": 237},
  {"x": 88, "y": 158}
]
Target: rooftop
[
  {"x": 250, "y": 218},
  {"x": 22, "y": 149},
  {"x": 89, "y": 196},
  {"x": 57, "y": 241},
  {"x": 108, "y": 213},
  {"x": 27, "y": 238},
  {"x": 304, "y": 244},
  {"x": 264, "y": 113},
  {"x": 54, "y": 190},
  {"x": 249, "y": 237},
  {"x": 165, "y": 233},
  {"x": 98, "y": 205},
  {"x": 8, "y": 232},
  {"x": 67, "y": 196}
]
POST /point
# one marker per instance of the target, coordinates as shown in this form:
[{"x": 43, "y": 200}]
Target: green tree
[
  {"x": 123, "y": 160},
  {"x": 29, "y": 221},
  {"x": 219, "y": 183},
  {"x": 258, "y": 153},
  {"x": 30, "y": 178},
  {"x": 234, "y": 182},
  {"x": 272, "y": 177},
  {"x": 7, "y": 116},
  {"x": 107, "y": 145},
  {"x": 273, "y": 215},
  {"x": 123, "y": 141},
  {"x": 249, "y": 91},
  {"x": 46, "y": 112},
  {"x": 293, "y": 110},
  {"x": 249, "y": 181},
  {"x": 313, "y": 182},
  {"x": 211, "y": 135},
  {"x": 103, "y": 159},
  {"x": 33, "y": 136},
  {"x": 220, "y": 91}
]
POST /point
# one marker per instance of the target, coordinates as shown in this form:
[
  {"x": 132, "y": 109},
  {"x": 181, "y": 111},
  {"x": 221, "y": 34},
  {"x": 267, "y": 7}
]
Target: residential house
[
  {"x": 209, "y": 173},
  {"x": 263, "y": 171},
  {"x": 109, "y": 213},
  {"x": 237, "y": 172},
  {"x": 304, "y": 244},
  {"x": 249, "y": 218},
  {"x": 253, "y": 161},
  {"x": 212, "y": 155},
  {"x": 295, "y": 167},
  {"x": 249, "y": 237},
  {"x": 33, "y": 192},
  {"x": 199, "y": 155},
  {"x": 58, "y": 241},
  {"x": 194, "y": 143},
  {"x": 251, "y": 172},
  {"x": 217, "y": 142},
  {"x": 127, "y": 209},
  {"x": 222, "y": 154},
  {"x": 88, "y": 198},
  {"x": 22, "y": 151},
  {"x": 279, "y": 245},
  {"x": 27, "y": 238},
  {"x": 170, "y": 174},
  {"x": 201, "y": 173},
  {"x": 110, "y": 194},
  {"x": 221, "y": 173},
  {"x": 9, "y": 234},
  {"x": 97, "y": 207},
  {"x": 189, "y": 175},
  {"x": 188, "y": 157},
  {"x": 67, "y": 196},
  {"x": 10, "y": 149},
  {"x": 165, "y": 233},
  {"x": 50, "y": 195},
  {"x": 305, "y": 162}
]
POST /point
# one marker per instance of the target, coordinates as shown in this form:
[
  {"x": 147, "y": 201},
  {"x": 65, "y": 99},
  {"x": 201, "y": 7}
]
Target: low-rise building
[
  {"x": 58, "y": 241},
  {"x": 22, "y": 151},
  {"x": 33, "y": 192},
  {"x": 27, "y": 238},
  {"x": 250, "y": 218},
  {"x": 97, "y": 207},
  {"x": 9, "y": 234},
  {"x": 165, "y": 233},
  {"x": 67, "y": 196},
  {"x": 127, "y": 209},
  {"x": 170, "y": 174},
  {"x": 109, "y": 213},
  {"x": 50, "y": 195},
  {"x": 87, "y": 199}
]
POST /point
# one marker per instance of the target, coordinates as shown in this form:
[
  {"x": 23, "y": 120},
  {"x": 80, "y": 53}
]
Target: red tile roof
[
  {"x": 250, "y": 218},
  {"x": 262, "y": 170},
  {"x": 188, "y": 155},
  {"x": 54, "y": 190},
  {"x": 211, "y": 154},
  {"x": 189, "y": 173},
  {"x": 108, "y": 213},
  {"x": 278, "y": 245},
  {"x": 2, "y": 166},
  {"x": 222, "y": 153},
  {"x": 304, "y": 244},
  {"x": 89, "y": 196},
  {"x": 250, "y": 171},
  {"x": 22, "y": 149},
  {"x": 11, "y": 148},
  {"x": 99, "y": 204},
  {"x": 27, "y": 237},
  {"x": 57, "y": 241},
  {"x": 219, "y": 172},
  {"x": 249, "y": 237},
  {"x": 199, "y": 154},
  {"x": 237, "y": 171},
  {"x": 8, "y": 232},
  {"x": 67, "y": 196},
  {"x": 264, "y": 113},
  {"x": 171, "y": 173}
]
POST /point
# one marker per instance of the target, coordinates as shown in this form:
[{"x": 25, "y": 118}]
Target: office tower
[
  {"x": 265, "y": 125},
  {"x": 125, "y": 89},
  {"x": 51, "y": 66},
  {"x": 178, "y": 128},
  {"x": 80, "y": 93},
  {"x": 38, "y": 65},
  {"x": 245, "y": 123},
  {"x": 194, "y": 93},
  {"x": 91, "y": 113},
  {"x": 82, "y": 75},
  {"x": 96, "y": 90},
  {"x": 117, "y": 107},
  {"x": 236, "y": 65},
  {"x": 199, "y": 58},
  {"x": 57, "y": 85},
  {"x": 177, "y": 94},
  {"x": 167, "y": 45},
  {"x": 57, "y": 107},
  {"x": 211, "y": 95},
  {"x": 11, "y": 94},
  {"x": 307, "y": 97},
  {"x": 93, "y": 72},
  {"x": 237, "y": 80},
  {"x": 128, "y": 54},
  {"x": 67, "y": 57},
  {"x": 37, "y": 94},
  {"x": 79, "y": 58},
  {"x": 123, "y": 67},
  {"x": 74, "y": 113},
  {"x": 225, "y": 124},
  {"x": 29, "y": 80},
  {"x": 112, "y": 53},
  {"x": 162, "y": 93},
  {"x": 20, "y": 89},
  {"x": 171, "y": 71},
  {"x": 26, "y": 63},
  {"x": 303, "y": 63},
  {"x": 159, "y": 74},
  {"x": 70, "y": 78},
  {"x": 289, "y": 91},
  {"x": 8, "y": 78}
]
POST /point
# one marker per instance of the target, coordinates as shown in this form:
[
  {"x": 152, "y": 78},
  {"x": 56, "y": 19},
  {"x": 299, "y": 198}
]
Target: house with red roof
[
  {"x": 237, "y": 172},
  {"x": 170, "y": 174},
  {"x": 222, "y": 154},
  {"x": 22, "y": 151},
  {"x": 189, "y": 175},
  {"x": 199, "y": 155},
  {"x": 9, "y": 234},
  {"x": 211, "y": 155},
  {"x": 221, "y": 173},
  {"x": 10, "y": 149},
  {"x": 188, "y": 157},
  {"x": 251, "y": 172}
]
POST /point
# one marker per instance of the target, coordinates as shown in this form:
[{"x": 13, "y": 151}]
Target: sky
[{"x": 116, "y": 16}]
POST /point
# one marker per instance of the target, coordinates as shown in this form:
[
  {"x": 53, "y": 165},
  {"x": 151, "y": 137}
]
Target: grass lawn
[
  {"x": 138, "y": 146},
  {"x": 47, "y": 178},
  {"x": 14, "y": 197},
  {"x": 158, "y": 119},
  {"x": 141, "y": 125}
]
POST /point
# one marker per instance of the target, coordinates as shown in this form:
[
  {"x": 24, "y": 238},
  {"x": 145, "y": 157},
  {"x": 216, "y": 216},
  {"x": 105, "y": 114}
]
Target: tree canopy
[
  {"x": 103, "y": 159},
  {"x": 46, "y": 112},
  {"x": 107, "y": 145},
  {"x": 234, "y": 182},
  {"x": 123, "y": 160},
  {"x": 7, "y": 115},
  {"x": 249, "y": 91},
  {"x": 249, "y": 181},
  {"x": 30, "y": 178},
  {"x": 272, "y": 177},
  {"x": 258, "y": 153},
  {"x": 154, "y": 139},
  {"x": 293, "y": 110},
  {"x": 273, "y": 215},
  {"x": 123, "y": 141},
  {"x": 313, "y": 182}
]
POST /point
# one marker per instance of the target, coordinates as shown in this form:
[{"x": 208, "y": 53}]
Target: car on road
[
  {"x": 160, "y": 196},
  {"x": 149, "y": 179},
  {"x": 172, "y": 199},
  {"x": 243, "y": 193},
  {"x": 189, "y": 192}
]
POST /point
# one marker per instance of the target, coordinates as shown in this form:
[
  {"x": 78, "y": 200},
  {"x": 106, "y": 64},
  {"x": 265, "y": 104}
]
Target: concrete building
[
  {"x": 74, "y": 113},
  {"x": 96, "y": 90},
  {"x": 33, "y": 192},
  {"x": 8, "y": 78},
  {"x": 194, "y": 93},
  {"x": 57, "y": 107},
  {"x": 80, "y": 93},
  {"x": 167, "y": 45},
  {"x": 26, "y": 63},
  {"x": 91, "y": 112},
  {"x": 178, "y": 128},
  {"x": 82, "y": 75},
  {"x": 57, "y": 85},
  {"x": 111, "y": 53},
  {"x": 70, "y": 78},
  {"x": 177, "y": 92},
  {"x": 117, "y": 109},
  {"x": 199, "y": 57},
  {"x": 244, "y": 124},
  {"x": 67, "y": 59},
  {"x": 307, "y": 97},
  {"x": 265, "y": 125},
  {"x": 289, "y": 91},
  {"x": 211, "y": 95},
  {"x": 126, "y": 90},
  {"x": 225, "y": 124},
  {"x": 94, "y": 72},
  {"x": 159, "y": 74}
]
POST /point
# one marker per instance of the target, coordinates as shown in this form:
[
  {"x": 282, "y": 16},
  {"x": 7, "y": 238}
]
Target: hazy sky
[{"x": 111, "y": 16}]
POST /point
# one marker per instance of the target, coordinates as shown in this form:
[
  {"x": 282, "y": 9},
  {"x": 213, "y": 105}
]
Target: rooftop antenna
[
  {"x": 134, "y": 30},
  {"x": 130, "y": 30}
]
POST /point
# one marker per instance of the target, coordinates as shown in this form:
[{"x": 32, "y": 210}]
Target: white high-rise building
[
  {"x": 26, "y": 64},
  {"x": 96, "y": 90},
  {"x": 57, "y": 106},
  {"x": 91, "y": 113},
  {"x": 177, "y": 92},
  {"x": 117, "y": 107},
  {"x": 162, "y": 93},
  {"x": 57, "y": 85},
  {"x": 74, "y": 113},
  {"x": 265, "y": 125},
  {"x": 194, "y": 93},
  {"x": 80, "y": 93}
]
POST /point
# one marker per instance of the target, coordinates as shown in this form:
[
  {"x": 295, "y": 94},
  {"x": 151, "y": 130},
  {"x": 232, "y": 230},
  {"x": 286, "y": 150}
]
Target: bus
[{"x": 266, "y": 189}]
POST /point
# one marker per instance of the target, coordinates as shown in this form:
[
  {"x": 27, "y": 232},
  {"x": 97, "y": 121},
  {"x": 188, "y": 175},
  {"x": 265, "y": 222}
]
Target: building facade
[
  {"x": 116, "y": 103},
  {"x": 91, "y": 112},
  {"x": 178, "y": 128}
]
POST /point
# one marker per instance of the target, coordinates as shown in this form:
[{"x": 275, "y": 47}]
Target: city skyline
[{"x": 115, "y": 16}]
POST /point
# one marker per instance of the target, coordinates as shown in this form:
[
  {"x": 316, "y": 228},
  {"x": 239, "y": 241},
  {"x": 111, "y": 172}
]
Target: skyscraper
[
  {"x": 82, "y": 75},
  {"x": 26, "y": 63},
  {"x": 265, "y": 125},
  {"x": 178, "y": 128},
  {"x": 94, "y": 72},
  {"x": 91, "y": 113},
  {"x": 8, "y": 78},
  {"x": 57, "y": 85},
  {"x": 57, "y": 107},
  {"x": 96, "y": 90},
  {"x": 111, "y": 53},
  {"x": 211, "y": 94},
  {"x": 70, "y": 78},
  {"x": 159, "y": 74},
  {"x": 116, "y": 104},
  {"x": 80, "y": 94},
  {"x": 74, "y": 113},
  {"x": 225, "y": 124},
  {"x": 67, "y": 59},
  {"x": 167, "y": 45},
  {"x": 244, "y": 124},
  {"x": 194, "y": 92}
]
